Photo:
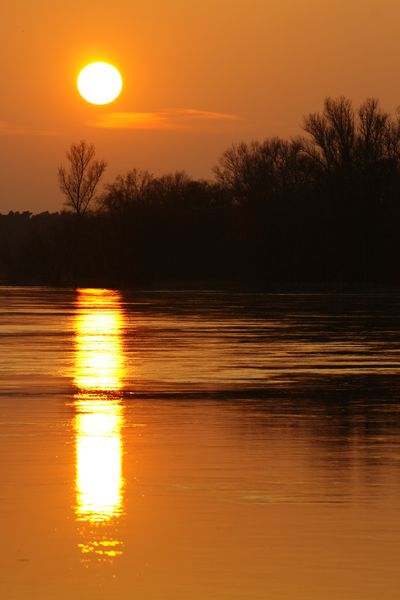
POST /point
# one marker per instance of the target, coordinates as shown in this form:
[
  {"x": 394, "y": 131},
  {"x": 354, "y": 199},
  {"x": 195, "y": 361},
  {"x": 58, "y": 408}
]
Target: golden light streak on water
[
  {"x": 99, "y": 374},
  {"x": 98, "y": 460},
  {"x": 99, "y": 355}
]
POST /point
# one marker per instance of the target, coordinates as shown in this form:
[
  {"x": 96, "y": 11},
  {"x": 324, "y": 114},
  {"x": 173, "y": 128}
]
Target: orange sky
[{"x": 201, "y": 73}]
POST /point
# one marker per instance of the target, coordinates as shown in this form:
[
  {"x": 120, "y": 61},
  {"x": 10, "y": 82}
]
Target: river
[{"x": 181, "y": 445}]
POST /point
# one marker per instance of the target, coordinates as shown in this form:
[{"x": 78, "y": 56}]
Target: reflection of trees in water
[
  {"x": 313, "y": 374},
  {"x": 343, "y": 430}
]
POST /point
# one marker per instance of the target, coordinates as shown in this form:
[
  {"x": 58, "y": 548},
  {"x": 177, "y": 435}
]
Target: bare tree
[
  {"x": 333, "y": 135},
  {"x": 79, "y": 181},
  {"x": 127, "y": 191},
  {"x": 258, "y": 171}
]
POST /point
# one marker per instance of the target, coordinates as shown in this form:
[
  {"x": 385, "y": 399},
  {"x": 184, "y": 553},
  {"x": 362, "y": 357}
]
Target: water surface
[{"x": 176, "y": 445}]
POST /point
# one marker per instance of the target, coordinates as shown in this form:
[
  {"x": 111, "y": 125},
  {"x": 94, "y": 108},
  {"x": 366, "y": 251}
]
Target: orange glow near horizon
[
  {"x": 98, "y": 373},
  {"x": 168, "y": 71}
]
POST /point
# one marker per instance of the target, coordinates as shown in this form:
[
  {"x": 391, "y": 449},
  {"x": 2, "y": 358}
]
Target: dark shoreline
[{"x": 210, "y": 285}]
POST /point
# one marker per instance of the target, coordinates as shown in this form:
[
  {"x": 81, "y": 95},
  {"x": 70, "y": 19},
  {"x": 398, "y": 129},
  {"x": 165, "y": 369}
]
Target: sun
[{"x": 99, "y": 83}]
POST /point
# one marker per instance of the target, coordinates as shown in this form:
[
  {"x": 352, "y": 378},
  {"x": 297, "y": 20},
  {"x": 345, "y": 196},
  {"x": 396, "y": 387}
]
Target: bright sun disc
[{"x": 99, "y": 83}]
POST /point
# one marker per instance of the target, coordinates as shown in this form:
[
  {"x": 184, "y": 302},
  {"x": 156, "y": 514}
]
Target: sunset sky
[{"x": 198, "y": 75}]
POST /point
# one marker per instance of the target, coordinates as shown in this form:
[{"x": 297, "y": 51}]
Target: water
[{"x": 182, "y": 445}]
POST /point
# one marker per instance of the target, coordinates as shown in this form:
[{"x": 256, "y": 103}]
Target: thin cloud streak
[
  {"x": 167, "y": 119},
  {"x": 8, "y": 129}
]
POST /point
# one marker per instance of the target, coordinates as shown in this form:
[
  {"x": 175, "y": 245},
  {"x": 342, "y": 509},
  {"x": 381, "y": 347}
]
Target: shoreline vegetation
[{"x": 320, "y": 212}]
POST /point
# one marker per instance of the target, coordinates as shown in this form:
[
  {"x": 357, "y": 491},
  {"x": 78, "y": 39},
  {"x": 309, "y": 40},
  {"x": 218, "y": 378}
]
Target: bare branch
[{"x": 79, "y": 182}]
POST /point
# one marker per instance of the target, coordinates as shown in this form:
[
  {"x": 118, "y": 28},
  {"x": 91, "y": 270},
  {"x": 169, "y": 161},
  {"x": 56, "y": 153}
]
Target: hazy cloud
[
  {"x": 167, "y": 119},
  {"x": 9, "y": 129}
]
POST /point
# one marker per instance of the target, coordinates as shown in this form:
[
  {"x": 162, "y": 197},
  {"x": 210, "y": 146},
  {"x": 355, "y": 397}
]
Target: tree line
[{"x": 322, "y": 208}]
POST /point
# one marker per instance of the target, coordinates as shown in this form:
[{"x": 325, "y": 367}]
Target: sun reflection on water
[{"x": 98, "y": 376}]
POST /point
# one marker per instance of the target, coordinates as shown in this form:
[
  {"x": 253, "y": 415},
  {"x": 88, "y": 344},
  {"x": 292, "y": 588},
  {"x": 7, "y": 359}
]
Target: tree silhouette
[
  {"x": 333, "y": 135},
  {"x": 318, "y": 209},
  {"x": 79, "y": 181},
  {"x": 126, "y": 192}
]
